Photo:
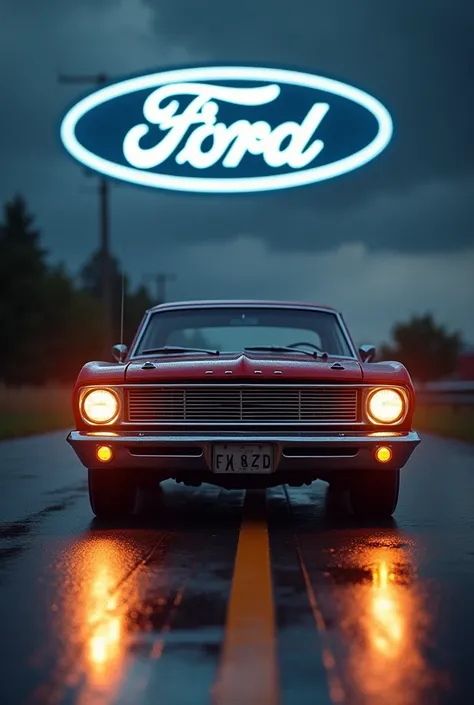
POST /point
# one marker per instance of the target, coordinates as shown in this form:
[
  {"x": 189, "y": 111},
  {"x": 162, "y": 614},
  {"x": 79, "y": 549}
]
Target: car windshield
[{"x": 235, "y": 329}]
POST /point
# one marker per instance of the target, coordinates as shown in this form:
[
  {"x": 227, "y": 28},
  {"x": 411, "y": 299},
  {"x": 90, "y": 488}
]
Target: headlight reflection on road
[
  {"x": 94, "y": 620},
  {"x": 102, "y": 611},
  {"x": 106, "y": 625},
  {"x": 386, "y": 630}
]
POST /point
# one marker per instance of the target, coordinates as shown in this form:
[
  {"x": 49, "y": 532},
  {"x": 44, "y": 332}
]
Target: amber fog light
[
  {"x": 104, "y": 454},
  {"x": 383, "y": 454}
]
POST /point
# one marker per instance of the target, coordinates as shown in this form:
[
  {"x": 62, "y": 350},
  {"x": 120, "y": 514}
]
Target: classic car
[{"x": 243, "y": 394}]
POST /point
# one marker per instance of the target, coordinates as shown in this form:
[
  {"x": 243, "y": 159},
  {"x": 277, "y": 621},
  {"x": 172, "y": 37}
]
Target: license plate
[{"x": 247, "y": 458}]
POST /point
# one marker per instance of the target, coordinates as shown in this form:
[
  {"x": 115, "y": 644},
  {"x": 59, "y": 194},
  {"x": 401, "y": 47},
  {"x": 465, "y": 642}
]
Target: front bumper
[{"x": 173, "y": 454}]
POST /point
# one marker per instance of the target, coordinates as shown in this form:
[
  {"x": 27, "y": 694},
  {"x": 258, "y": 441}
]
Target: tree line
[
  {"x": 51, "y": 322},
  {"x": 426, "y": 348}
]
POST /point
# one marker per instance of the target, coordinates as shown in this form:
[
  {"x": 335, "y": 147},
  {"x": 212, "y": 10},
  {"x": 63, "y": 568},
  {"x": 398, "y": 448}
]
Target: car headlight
[
  {"x": 100, "y": 406},
  {"x": 386, "y": 406}
]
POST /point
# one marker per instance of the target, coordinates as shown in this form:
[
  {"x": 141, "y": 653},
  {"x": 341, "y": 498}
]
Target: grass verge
[
  {"x": 452, "y": 422},
  {"x": 25, "y": 411}
]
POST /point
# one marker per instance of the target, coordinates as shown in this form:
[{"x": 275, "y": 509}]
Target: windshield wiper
[
  {"x": 283, "y": 348},
  {"x": 174, "y": 349}
]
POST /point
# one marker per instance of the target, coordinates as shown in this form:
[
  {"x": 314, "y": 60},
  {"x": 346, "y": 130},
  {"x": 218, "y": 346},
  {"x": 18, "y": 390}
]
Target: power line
[{"x": 104, "y": 222}]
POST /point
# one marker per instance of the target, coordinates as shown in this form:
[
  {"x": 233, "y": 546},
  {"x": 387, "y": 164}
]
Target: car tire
[
  {"x": 112, "y": 496},
  {"x": 374, "y": 495}
]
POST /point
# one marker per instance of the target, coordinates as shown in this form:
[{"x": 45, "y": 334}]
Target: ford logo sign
[{"x": 226, "y": 129}]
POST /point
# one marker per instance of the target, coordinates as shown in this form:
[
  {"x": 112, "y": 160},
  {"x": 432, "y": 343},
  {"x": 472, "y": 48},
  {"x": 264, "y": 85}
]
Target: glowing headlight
[
  {"x": 386, "y": 406},
  {"x": 100, "y": 406}
]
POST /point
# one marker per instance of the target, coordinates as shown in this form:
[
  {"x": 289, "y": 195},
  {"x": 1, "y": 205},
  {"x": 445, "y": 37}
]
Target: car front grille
[{"x": 244, "y": 404}]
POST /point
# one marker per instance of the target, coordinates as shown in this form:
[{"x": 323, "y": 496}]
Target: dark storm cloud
[
  {"x": 39, "y": 40},
  {"x": 431, "y": 216},
  {"x": 417, "y": 57}
]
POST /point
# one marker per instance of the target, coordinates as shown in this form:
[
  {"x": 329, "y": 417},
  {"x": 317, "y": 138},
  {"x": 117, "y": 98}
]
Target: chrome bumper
[{"x": 173, "y": 454}]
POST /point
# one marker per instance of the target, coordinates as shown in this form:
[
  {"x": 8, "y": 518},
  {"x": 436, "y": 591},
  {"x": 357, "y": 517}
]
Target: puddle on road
[
  {"x": 377, "y": 617},
  {"x": 119, "y": 605},
  {"x": 381, "y": 612},
  {"x": 16, "y": 536},
  {"x": 89, "y": 618}
]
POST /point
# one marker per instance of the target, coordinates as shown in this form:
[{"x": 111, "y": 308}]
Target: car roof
[{"x": 226, "y": 303}]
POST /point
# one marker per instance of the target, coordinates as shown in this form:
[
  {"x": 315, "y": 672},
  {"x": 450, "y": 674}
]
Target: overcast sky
[{"x": 391, "y": 239}]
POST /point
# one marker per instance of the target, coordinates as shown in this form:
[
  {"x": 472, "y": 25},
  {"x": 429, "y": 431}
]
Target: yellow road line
[{"x": 248, "y": 673}]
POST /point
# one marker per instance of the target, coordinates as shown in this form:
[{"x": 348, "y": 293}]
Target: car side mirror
[
  {"x": 120, "y": 352},
  {"x": 367, "y": 352}
]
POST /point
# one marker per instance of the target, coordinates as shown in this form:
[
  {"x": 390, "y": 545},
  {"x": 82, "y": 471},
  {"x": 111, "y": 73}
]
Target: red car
[{"x": 244, "y": 394}]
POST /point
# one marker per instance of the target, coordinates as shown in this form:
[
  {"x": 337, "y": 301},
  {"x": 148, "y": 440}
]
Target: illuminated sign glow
[{"x": 203, "y": 129}]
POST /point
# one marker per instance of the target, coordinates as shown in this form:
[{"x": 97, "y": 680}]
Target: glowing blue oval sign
[{"x": 226, "y": 129}]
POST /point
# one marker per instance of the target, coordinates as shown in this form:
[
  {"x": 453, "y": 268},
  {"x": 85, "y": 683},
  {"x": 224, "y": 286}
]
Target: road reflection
[
  {"x": 95, "y": 619},
  {"x": 102, "y": 614},
  {"x": 386, "y": 625}
]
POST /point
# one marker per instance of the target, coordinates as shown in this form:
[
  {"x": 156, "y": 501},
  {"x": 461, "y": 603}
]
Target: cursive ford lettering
[
  {"x": 184, "y": 122},
  {"x": 229, "y": 143}
]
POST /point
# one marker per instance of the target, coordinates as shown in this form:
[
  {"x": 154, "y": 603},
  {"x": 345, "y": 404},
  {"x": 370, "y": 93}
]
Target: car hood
[{"x": 241, "y": 366}]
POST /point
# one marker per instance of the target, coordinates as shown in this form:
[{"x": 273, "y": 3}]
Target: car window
[
  {"x": 235, "y": 329},
  {"x": 227, "y": 338}
]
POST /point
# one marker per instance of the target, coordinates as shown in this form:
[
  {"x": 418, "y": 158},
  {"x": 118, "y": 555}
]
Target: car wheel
[
  {"x": 112, "y": 496},
  {"x": 374, "y": 495}
]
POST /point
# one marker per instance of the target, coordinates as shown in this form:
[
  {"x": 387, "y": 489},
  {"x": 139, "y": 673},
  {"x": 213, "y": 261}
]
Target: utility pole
[
  {"x": 160, "y": 280},
  {"x": 104, "y": 227}
]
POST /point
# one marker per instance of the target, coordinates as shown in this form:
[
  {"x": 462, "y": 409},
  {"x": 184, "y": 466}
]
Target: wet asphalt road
[{"x": 222, "y": 597}]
